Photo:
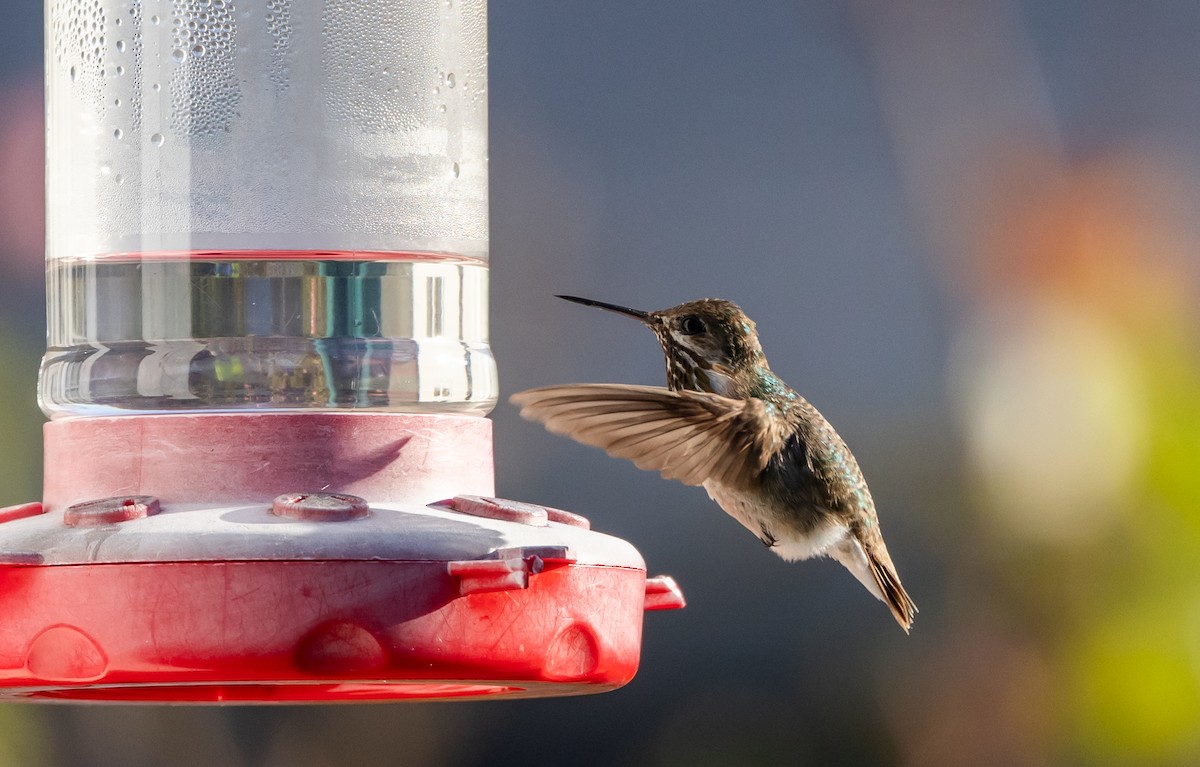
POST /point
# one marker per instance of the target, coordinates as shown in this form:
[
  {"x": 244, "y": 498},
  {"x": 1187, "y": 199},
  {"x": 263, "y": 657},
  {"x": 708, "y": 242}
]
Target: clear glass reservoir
[{"x": 266, "y": 204}]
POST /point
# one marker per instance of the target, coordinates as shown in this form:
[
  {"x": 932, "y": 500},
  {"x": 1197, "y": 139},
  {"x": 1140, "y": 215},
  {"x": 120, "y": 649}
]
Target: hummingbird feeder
[{"x": 268, "y": 474}]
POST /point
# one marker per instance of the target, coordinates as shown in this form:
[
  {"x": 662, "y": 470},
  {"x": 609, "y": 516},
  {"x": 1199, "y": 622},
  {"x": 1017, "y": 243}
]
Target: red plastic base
[
  {"x": 291, "y": 632},
  {"x": 280, "y": 558}
]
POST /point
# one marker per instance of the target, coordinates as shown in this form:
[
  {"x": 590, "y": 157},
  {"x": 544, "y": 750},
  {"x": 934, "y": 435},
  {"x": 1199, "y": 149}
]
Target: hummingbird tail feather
[
  {"x": 894, "y": 595},
  {"x": 873, "y": 568}
]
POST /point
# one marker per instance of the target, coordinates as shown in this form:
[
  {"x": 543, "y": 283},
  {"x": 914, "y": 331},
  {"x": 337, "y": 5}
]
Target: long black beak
[{"x": 645, "y": 317}]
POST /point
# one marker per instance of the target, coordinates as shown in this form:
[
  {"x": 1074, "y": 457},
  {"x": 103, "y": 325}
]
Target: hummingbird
[{"x": 727, "y": 423}]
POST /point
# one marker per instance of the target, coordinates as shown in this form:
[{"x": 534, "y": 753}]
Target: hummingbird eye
[{"x": 691, "y": 325}]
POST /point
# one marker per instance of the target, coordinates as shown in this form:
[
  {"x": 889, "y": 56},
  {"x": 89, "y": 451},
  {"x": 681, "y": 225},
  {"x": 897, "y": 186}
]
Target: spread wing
[{"x": 690, "y": 436}]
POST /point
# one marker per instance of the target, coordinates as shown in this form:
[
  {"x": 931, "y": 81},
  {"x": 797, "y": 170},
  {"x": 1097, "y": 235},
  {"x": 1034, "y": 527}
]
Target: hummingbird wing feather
[{"x": 690, "y": 436}]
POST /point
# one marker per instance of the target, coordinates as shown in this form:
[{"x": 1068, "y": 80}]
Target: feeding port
[{"x": 268, "y": 474}]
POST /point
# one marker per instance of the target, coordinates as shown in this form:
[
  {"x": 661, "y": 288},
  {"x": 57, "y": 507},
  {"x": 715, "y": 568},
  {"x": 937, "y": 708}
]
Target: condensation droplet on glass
[
  {"x": 119, "y": 178},
  {"x": 157, "y": 139},
  {"x": 116, "y": 102},
  {"x": 73, "y": 74},
  {"x": 154, "y": 19},
  {"x": 120, "y": 46},
  {"x": 456, "y": 170},
  {"x": 450, "y": 80},
  {"x": 442, "y": 108},
  {"x": 120, "y": 69},
  {"x": 117, "y": 133},
  {"x": 178, "y": 54},
  {"x": 156, "y": 87},
  {"x": 198, "y": 49}
]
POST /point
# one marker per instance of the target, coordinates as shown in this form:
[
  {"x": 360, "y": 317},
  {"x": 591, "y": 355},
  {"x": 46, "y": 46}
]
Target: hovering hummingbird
[{"x": 726, "y": 422}]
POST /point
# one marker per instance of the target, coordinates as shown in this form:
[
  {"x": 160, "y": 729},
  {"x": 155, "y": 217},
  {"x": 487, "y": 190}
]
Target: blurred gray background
[{"x": 967, "y": 232}]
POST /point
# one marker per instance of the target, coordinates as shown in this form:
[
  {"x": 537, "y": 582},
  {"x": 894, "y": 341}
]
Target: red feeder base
[
  {"x": 312, "y": 596},
  {"x": 291, "y": 632}
]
